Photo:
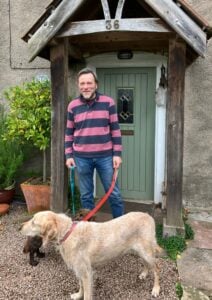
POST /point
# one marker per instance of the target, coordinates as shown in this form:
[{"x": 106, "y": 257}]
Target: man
[{"x": 93, "y": 141}]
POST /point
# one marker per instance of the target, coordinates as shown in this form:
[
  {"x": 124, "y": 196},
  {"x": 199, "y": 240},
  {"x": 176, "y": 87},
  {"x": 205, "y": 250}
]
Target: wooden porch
[{"x": 73, "y": 31}]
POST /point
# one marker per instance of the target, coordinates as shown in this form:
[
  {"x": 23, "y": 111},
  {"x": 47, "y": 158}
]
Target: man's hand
[
  {"x": 70, "y": 163},
  {"x": 116, "y": 162}
]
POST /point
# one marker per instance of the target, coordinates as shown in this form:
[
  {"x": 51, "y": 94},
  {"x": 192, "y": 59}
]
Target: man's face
[{"x": 87, "y": 86}]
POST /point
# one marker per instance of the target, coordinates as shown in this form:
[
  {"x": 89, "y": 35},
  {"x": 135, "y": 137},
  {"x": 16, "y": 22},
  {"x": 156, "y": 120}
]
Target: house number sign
[{"x": 112, "y": 24}]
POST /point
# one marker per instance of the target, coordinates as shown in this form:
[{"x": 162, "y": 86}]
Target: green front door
[{"x": 134, "y": 92}]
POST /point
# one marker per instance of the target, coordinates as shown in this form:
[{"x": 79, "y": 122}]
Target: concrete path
[{"x": 195, "y": 264}]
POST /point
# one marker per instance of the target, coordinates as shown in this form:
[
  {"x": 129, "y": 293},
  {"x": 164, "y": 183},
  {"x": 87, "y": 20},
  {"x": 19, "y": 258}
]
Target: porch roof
[{"x": 146, "y": 24}]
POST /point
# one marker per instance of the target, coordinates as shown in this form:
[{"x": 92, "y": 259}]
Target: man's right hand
[{"x": 70, "y": 163}]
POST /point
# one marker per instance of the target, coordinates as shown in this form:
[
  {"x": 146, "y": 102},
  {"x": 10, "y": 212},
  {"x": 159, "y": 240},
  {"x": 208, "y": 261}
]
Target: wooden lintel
[
  {"x": 178, "y": 20},
  {"x": 119, "y": 9},
  {"x": 175, "y": 131},
  {"x": 59, "y": 81},
  {"x": 106, "y": 9},
  {"x": 52, "y": 25},
  {"x": 54, "y": 42},
  {"x": 75, "y": 52},
  {"x": 94, "y": 45},
  {"x": 137, "y": 25}
]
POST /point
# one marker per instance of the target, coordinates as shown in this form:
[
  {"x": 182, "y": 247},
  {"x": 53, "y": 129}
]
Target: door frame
[{"x": 143, "y": 59}]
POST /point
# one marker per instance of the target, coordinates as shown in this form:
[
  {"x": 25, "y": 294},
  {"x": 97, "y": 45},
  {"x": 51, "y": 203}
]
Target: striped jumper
[{"x": 92, "y": 128}]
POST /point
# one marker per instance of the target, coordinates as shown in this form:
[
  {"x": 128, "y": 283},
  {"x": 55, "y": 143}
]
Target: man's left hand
[{"x": 116, "y": 162}]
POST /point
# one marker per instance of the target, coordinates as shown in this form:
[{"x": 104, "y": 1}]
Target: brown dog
[
  {"x": 87, "y": 244},
  {"x": 32, "y": 246}
]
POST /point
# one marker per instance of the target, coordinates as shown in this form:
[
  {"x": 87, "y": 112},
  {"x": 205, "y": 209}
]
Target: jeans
[{"x": 104, "y": 167}]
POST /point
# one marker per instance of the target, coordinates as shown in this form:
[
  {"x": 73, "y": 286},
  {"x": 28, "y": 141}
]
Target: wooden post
[
  {"x": 175, "y": 131},
  {"x": 59, "y": 78}
]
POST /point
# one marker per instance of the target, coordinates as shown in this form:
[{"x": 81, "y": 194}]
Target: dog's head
[{"x": 42, "y": 224}]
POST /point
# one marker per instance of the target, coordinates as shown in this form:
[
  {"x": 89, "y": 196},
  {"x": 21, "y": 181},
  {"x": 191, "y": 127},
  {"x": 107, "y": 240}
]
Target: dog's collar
[{"x": 74, "y": 224}]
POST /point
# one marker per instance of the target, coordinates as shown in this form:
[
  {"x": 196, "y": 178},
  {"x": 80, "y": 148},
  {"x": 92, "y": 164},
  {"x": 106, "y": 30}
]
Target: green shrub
[
  {"x": 29, "y": 118},
  {"x": 179, "y": 290},
  {"x": 11, "y": 155},
  {"x": 173, "y": 245},
  {"x": 189, "y": 233}
]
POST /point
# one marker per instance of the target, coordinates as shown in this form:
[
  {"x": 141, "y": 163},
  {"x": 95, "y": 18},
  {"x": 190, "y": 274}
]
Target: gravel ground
[{"x": 50, "y": 279}]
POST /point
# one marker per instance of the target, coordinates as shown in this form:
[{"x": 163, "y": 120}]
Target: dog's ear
[{"x": 49, "y": 232}]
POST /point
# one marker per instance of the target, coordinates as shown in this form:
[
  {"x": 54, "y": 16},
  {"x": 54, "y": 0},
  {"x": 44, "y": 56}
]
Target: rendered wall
[
  {"x": 17, "y": 16},
  {"x": 197, "y": 178}
]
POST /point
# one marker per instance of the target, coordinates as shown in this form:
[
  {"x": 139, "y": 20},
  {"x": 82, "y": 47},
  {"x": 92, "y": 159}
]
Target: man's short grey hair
[{"x": 87, "y": 71}]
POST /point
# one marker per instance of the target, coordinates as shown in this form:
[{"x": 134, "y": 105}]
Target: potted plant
[
  {"x": 29, "y": 120},
  {"x": 11, "y": 158}
]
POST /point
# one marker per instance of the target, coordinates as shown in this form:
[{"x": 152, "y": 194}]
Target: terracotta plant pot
[
  {"x": 6, "y": 196},
  {"x": 37, "y": 197},
  {"x": 4, "y": 208}
]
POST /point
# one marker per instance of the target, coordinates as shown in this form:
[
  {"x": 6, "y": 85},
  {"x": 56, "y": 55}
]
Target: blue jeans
[{"x": 104, "y": 167}]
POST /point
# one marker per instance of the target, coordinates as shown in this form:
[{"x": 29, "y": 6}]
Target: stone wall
[
  {"x": 197, "y": 178},
  {"x": 17, "y": 16}
]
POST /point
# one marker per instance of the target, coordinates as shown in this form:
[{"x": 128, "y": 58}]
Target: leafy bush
[
  {"x": 173, "y": 245},
  {"x": 179, "y": 290},
  {"x": 11, "y": 155},
  {"x": 29, "y": 118},
  {"x": 189, "y": 233}
]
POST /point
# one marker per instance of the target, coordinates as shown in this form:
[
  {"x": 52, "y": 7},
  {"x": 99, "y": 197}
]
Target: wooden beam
[
  {"x": 106, "y": 9},
  {"x": 119, "y": 9},
  {"x": 75, "y": 52},
  {"x": 51, "y": 26},
  {"x": 175, "y": 133},
  {"x": 115, "y": 41},
  {"x": 178, "y": 20},
  {"x": 97, "y": 26},
  {"x": 119, "y": 36},
  {"x": 59, "y": 80}
]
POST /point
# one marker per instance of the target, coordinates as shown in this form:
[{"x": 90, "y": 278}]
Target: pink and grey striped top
[{"x": 92, "y": 129}]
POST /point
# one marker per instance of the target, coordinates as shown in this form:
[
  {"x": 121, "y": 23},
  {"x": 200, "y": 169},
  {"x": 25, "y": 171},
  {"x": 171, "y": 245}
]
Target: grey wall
[
  {"x": 17, "y": 16},
  {"x": 197, "y": 190}
]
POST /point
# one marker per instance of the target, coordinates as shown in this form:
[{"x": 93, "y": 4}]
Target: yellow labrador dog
[{"x": 87, "y": 244}]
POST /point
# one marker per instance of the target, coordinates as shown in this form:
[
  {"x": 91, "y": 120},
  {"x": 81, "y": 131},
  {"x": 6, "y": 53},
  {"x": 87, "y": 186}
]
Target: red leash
[
  {"x": 96, "y": 208},
  {"x": 104, "y": 198}
]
